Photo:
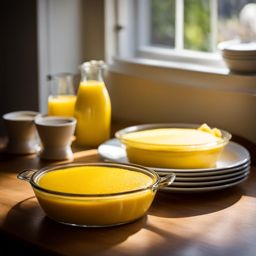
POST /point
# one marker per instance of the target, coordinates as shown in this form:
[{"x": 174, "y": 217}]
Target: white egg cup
[
  {"x": 21, "y": 132},
  {"x": 56, "y": 133}
]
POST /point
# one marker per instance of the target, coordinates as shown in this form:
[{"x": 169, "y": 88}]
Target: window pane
[
  {"x": 197, "y": 25},
  {"x": 236, "y": 19},
  {"x": 162, "y": 23}
]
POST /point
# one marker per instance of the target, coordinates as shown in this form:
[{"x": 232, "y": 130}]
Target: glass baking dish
[
  {"x": 171, "y": 155},
  {"x": 97, "y": 209}
]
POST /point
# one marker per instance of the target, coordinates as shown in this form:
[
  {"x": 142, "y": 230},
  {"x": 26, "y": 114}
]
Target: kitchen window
[{"x": 180, "y": 31}]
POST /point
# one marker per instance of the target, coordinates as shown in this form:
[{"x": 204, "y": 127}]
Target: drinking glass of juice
[{"x": 62, "y": 98}]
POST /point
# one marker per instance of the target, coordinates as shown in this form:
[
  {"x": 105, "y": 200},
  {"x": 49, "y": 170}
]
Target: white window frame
[
  {"x": 144, "y": 30},
  {"x": 129, "y": 45},
  {"x": 178, "y": 54}
]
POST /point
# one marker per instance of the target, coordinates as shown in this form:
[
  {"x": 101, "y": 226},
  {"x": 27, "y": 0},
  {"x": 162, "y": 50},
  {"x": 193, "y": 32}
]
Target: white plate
[
  {"x": 210, "y": 183},
  {"x": 232, "y": 156},
  {"x": 202, "y": 189},
  {"x": 217, "y": 172},
  {"x": 210, "y": 178}
]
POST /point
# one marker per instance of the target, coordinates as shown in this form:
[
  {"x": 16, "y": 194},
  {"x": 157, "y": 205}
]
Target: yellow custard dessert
[
  {"x": 94, "y": 180},
  {"x": 172, "y": 138},
  {"x": 95, "y": 195},
  {"x": 174, "y": 147}
]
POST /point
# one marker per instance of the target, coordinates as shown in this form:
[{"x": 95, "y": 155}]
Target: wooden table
[{"x": 216, "y": 223}]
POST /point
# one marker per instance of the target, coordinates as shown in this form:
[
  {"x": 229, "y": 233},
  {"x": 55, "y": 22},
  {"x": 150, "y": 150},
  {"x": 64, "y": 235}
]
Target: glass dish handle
[
  {"x": 165, "y": 181},
  {"x": 26, "y": 175}
]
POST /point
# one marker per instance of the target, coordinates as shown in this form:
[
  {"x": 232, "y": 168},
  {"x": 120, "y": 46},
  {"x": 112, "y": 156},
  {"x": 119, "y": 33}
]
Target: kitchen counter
[{"x": 213, "y": 223}]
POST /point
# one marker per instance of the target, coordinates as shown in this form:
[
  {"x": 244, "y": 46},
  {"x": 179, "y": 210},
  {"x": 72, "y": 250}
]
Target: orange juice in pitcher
[{"x": 93, "y": 107}]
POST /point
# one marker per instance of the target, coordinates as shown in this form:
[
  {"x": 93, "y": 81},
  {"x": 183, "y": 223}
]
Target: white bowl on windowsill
[{"x": 239, "y": 56}]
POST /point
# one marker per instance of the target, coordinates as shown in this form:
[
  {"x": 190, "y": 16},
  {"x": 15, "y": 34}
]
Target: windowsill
[
  {"x": 175, "y": 65},
  {"x": 186, "y": 59},
  {"x": 186, "y": 74}
]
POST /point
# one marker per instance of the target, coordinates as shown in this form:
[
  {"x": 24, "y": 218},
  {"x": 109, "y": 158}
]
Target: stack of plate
[
  {"x": 232, "y": 168},
  {"x": 239, "y": 56}
]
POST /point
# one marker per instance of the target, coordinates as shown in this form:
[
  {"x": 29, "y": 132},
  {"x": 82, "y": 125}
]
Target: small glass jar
[{"x": 62, "y": 98}]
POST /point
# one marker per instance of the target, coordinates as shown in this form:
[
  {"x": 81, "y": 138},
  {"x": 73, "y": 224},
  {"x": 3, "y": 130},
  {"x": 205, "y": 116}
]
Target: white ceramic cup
[
  {"x": 21, "y": 131},
  {"x": 56, "y": 133}
]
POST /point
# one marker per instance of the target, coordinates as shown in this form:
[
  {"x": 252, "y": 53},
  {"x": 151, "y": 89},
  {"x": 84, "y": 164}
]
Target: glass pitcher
[
  {"x": 93, "y": 106},
  {"x": 61, "y": 101}
]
